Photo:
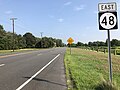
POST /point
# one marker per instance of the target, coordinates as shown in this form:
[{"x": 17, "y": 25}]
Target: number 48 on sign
[{"x": 108, "y": 20}]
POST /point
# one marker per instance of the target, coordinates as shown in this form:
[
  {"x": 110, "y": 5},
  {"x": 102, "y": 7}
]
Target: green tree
[
  {"x": 48, "y": 42},
  {"x": 30, "y": 40},
  {"x": 27, "y": 40},
  {"x": 80, "y": 44},
  {"x": 2, "y": 31},
  {"x": 2, "y": 39},
  {"x": 59, "y": 43},
  {"x": 21, "y": 42},
  {"x": 115, "y": 42},
  {"x": 90, "y": 44},
  {"x": 8, "y": 41}
]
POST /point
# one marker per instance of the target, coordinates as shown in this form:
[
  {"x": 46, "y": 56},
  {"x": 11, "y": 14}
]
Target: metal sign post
[
  {"x": 70, "y": 49},
  {"x": 108, "y": 21},
  {"x": 109, "y": 56}
]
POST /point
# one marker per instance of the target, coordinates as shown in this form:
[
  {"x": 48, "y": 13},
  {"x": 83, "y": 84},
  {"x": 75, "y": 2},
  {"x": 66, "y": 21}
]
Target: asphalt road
[{"x": 35, "y": 70}]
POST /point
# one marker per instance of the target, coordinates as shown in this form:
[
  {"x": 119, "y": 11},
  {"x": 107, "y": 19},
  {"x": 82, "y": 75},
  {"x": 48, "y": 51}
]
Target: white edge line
[
  {"x": 2, "y": 65},
  {"x": 25, "y": 83}
]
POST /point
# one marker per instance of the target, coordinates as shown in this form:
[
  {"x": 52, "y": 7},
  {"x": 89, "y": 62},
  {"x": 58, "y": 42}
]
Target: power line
[{"x": 17, "y": 25}]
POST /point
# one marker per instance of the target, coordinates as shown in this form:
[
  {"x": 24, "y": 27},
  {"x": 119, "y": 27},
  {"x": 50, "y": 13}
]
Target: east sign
[{"x": 103, "y": 7}]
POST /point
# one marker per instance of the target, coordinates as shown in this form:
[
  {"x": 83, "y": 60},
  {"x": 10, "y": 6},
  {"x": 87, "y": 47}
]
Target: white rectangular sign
[{"x": 104, "y": 7}]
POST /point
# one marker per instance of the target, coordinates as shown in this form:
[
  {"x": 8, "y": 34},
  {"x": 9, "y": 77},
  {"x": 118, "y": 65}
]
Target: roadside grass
[
  {"x": 2, "y": 52},
  {"x": 88, "y": 70}
]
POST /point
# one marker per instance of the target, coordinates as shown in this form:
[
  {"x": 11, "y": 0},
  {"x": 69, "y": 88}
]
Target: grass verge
[
  {"x": 4, "y": 52},
  {"x": 84, "y": 70}
]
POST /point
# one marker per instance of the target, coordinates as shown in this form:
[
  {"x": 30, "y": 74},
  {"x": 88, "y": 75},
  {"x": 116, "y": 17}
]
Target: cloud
[
  {"x": 60, "y": 20},
  {"x": 8, "y": 12},
  {"x": 67, "y": 3},
  {"x": 81, "y": 7}
]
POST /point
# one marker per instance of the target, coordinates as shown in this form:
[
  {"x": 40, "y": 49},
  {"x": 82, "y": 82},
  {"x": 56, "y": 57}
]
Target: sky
[{"x": 57, "y": 18}]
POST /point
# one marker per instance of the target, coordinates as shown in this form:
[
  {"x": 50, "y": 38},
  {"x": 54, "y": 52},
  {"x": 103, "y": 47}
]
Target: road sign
[
  {"x": 107, "y": 16},
  {"x": 70, "y": 40},
  {"x": 105, "y": 7},
  {"x": 108, "y": 21}
]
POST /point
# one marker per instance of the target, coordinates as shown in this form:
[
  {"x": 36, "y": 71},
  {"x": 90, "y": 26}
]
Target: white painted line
[
  {"x": 2, "y": 65},
  {"x": 25, "y": 83}
]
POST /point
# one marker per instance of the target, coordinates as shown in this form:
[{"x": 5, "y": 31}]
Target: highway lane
[{"x": 17, "y": 69}]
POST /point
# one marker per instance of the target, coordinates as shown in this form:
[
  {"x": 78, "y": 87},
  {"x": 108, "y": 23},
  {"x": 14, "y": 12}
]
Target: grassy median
[{"x": 88, "y": 70}]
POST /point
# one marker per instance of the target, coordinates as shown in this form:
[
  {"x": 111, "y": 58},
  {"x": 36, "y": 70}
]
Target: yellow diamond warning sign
[{"x": 70, "y": 40}]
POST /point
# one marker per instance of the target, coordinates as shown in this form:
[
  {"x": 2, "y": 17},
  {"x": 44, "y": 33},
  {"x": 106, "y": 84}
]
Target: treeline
[
  {"x": 28, "y": 40},
  {"x": 114, "y": 43}
]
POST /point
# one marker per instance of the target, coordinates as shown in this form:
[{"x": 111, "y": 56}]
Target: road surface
[{"x": 35, "y": 70}]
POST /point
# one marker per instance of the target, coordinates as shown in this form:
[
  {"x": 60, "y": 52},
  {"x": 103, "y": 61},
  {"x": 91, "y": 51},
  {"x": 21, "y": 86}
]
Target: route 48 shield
[{"x": 108, "y": 20}]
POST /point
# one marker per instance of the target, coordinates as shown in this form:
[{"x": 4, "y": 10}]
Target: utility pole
[
  {"x": 13, "y": 31},
  {"x": 41, "y": 34},
  {"x": 41, "y": 39}
]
